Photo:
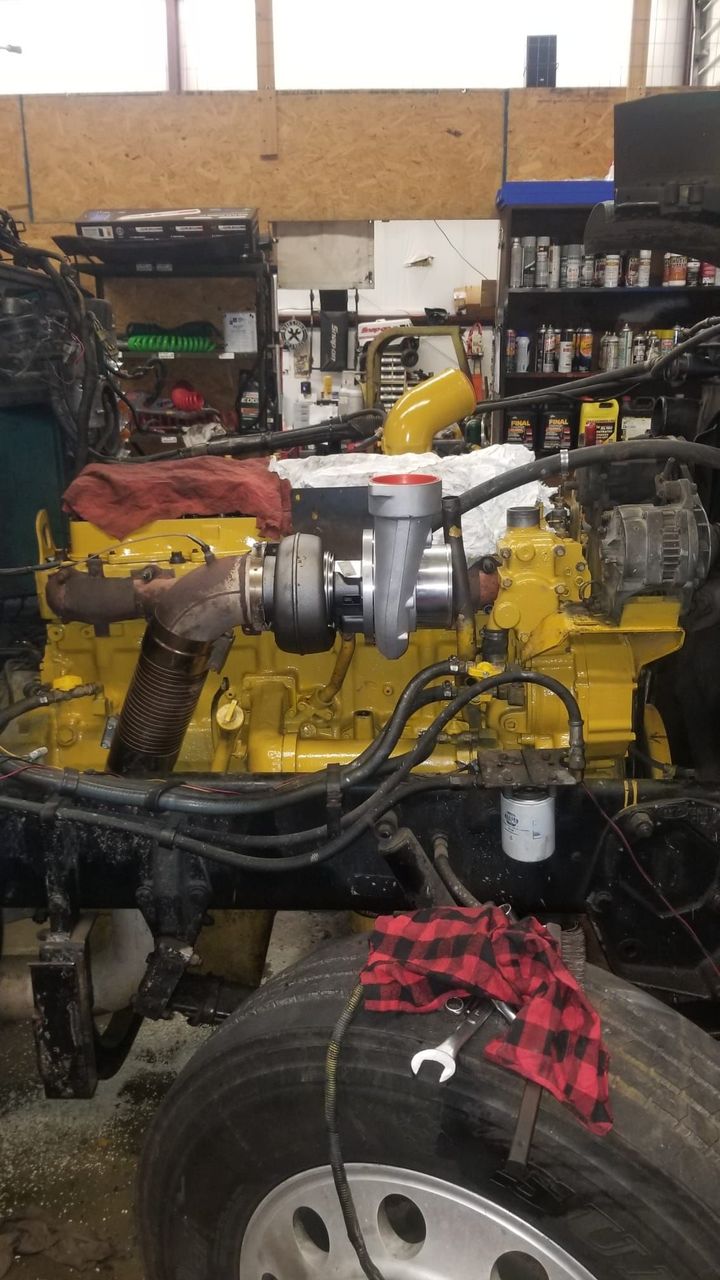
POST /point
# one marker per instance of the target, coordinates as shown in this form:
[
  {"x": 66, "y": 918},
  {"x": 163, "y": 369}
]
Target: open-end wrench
[{"x": 444, "y": 1054}]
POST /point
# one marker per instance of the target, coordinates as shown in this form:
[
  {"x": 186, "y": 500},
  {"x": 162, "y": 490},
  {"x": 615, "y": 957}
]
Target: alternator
[{"x": 664, "y": 549}]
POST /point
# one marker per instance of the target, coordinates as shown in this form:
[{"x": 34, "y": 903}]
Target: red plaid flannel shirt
[{"x": 417, "y": 961}]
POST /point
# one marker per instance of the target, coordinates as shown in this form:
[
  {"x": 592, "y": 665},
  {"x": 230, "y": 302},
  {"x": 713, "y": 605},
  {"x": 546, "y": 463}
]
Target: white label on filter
[{"x": 527, "y": 827}]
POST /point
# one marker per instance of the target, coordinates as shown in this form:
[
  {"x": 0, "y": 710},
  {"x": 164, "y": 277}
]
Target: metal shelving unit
[
  {"x": 560, "y": 210},
  {"x": 213, "y": 259}
]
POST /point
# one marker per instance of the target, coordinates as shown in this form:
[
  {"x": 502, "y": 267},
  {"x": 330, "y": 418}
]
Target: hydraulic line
[
  {"x": 455, "y": 886},
  {"x": 344, "y": 657},
  {"x": 102, "y": 789},
  {"x": 699, "y": 455},
  {"x": 703, "y": 332},
  {"x": 362, "y": 424},
  {"x": 463, "y": 611},
  {"x": 45, "y": 698},
  {"x": 371, "y": 809}
]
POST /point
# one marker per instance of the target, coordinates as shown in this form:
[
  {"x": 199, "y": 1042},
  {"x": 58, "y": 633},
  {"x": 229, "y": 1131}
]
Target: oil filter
[{"x": 527, "y": 824}]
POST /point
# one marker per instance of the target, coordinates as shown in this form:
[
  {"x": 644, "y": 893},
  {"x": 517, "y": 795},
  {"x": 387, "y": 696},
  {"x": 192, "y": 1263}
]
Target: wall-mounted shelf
[
  {"x": 212, "y": 258},
  {"x": 582, "y": 292},
  {"x": 132, "y": 353},
  {"x": 549, "y": 377}
]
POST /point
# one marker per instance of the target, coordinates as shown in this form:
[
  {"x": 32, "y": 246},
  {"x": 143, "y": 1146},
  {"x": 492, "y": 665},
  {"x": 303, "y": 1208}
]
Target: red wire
[
  {"x": 617, "y": 829},
  {"x": 14, "y": 772}
]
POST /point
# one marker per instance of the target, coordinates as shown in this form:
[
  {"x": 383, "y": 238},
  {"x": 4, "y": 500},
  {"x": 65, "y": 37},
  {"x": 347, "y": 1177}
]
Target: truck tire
[{"x": 235, "y": 1183}]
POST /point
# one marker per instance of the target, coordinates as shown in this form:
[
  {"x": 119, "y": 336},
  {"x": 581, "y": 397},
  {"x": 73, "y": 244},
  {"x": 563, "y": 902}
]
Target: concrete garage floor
[{"x": 75, "y": 1162}]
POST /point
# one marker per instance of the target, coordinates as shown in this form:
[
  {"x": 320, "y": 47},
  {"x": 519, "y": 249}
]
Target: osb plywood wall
[
  {"x": 566, "y": 133},
  {"x": 340, "y": 155},
  {"x": 12, "y": 174}
]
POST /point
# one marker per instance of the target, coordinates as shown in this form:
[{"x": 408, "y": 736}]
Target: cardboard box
[{"x": 470, "y": 298}]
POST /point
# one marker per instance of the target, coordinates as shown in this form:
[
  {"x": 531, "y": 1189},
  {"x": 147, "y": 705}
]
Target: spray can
[
  {"x": 540, "y": 347},
  {"x": 600, "y": 271},
  {"x": 632, "y": 271},
  {"x": 587, "y": 276},
  {"x": 541, "y": 262},
  {"x": 653, "y": 347},
  {"x": 612, "y": 356},
  {"x": 566, "y": 351},
  {"x": 522, "y": 361},
  {"x": 612, "y": 271},
  {"x": 301, "y": 414},
  {"x": 602, "y": 362},
  {"x": 584, "y": 341},
  {"x": 693, "y": 272},
  {"x": 644, "y": 264},
  {"x": 554, "y": 256},
  {"x": 510, "y": 350},
  {"x": 563, "y": 266},
  {"x": 625, "y": 346},
  {"x": 678, "y": 332},
  {"x": 528, "y": 252},
  {"x": 667, "y": 341},
  {"x": 574, "y": 265},
  {"x": 639, "y": 348},
  {"x": 516, "y": 264},
  {"x": 674, "y": 271},
  {"x": 707, "y": 275},
  {"x": 549, "y": 350}
]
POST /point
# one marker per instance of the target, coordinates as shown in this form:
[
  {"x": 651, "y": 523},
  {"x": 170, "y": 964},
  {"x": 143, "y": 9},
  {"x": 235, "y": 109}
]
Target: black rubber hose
[
  {"x": 163, "y": 796},
  {"x": 362, "y": 424},
  {"x": 45, "y": 698},
  {"x": 337, "y": 1164},
  {"x": 90, "y": 380},
  {"x": 463, "y": 611},
  {"x": 371, "y": 809},
  {"x": 699, "y": 455},
  {"x": 291, "y": 839},
  {"x": 383, "y": 745},
  {"x": 101, "y": 789},
  {"x": 454, "y": 885},
  {"x": 702, "y": 332}
]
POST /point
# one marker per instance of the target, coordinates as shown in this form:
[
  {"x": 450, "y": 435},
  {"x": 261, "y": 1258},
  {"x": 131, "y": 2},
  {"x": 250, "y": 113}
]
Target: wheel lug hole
[
  {"x": 311, "y": 1233},
  {"x": 401, "y": 1226}
]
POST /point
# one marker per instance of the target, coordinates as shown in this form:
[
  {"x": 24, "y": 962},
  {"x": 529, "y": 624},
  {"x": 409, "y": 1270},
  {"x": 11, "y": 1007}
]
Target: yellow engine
[{"x": 268, "y": 711}]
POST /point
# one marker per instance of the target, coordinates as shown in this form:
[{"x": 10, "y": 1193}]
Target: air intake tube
[{"x": 175, "y": 658}]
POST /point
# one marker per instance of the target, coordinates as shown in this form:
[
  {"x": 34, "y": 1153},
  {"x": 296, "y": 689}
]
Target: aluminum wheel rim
[{"x": 297, "y": 1232}]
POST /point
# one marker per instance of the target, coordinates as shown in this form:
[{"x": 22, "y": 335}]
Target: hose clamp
[{"x": 69, "y": 782}]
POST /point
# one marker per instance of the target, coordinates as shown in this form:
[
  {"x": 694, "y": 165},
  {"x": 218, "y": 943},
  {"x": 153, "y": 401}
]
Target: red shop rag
[
  {"x": 122, "y": 498},
  {"x": 419, "y": 960}
]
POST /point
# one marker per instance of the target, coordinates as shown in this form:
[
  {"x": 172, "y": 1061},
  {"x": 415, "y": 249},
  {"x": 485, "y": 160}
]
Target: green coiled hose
[{"x": 176, "y": 342}]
